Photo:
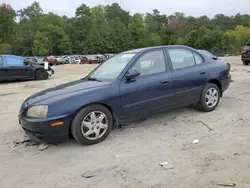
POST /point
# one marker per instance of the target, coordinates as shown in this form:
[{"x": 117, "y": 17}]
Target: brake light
[{"x": 244, "y": 51}]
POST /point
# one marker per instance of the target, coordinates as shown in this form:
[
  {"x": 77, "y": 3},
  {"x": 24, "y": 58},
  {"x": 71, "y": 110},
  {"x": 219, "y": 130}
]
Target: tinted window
[
  {"x": 151, "y": 63},
  {"x": 198, "y": 59},
  {"x": 14, "y": 61},
  {"x": 1, "y": 61},
  {"x": 181, "y": 58}
]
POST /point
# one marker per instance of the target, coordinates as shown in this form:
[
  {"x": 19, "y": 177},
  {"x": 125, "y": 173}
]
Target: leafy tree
[
  {"x": 5, "y": 48},
  {"x": 103, "y": 29},
  {"x": 41, "y": 44},
  {"x": 7, "y": 23}
]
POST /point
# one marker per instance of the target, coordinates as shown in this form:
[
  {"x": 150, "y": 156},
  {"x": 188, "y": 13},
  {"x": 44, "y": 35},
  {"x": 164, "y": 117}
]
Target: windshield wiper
[{"x": 92, "y": 79}]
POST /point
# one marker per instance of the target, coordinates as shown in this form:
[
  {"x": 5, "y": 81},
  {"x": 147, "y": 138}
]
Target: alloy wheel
[
  {"x": 212, "y": 97},
  {"x": 94, "y": 125}
]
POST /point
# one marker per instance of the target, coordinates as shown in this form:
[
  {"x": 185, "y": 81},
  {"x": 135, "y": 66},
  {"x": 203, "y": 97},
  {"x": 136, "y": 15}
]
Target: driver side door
[
  {"x": 17, "y": 69},
  {"x": 151, "y": 91}
]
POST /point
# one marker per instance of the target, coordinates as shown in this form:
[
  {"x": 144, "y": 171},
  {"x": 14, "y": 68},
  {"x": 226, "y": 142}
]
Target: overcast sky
[{"x": 189, "y": 7}]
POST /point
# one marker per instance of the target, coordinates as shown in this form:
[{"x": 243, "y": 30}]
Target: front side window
[
  {"x": 181, "y": 58},
  {"x": 14, "y": 61},
  {"x": 111, "y": 68},
  {"x": 151, "y": 63}
]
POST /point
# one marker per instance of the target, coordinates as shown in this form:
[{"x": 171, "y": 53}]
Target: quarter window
[
  {"x": 181, "y": 58},
  {"x": 198, "y": 59},
  {"x": 151, "y": 63}
]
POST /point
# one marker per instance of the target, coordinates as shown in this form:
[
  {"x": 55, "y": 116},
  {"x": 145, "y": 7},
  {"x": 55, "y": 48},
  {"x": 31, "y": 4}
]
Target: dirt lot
[{"x": 221, "y": 156}]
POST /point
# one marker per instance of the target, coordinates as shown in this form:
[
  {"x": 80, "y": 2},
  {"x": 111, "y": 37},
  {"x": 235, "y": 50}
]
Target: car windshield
[{"x": 111, "y": 68}]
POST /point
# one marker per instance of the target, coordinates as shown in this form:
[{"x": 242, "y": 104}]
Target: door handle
[
  {"x": 202, "y": 73},
  {"x": 165, "y": 81}
]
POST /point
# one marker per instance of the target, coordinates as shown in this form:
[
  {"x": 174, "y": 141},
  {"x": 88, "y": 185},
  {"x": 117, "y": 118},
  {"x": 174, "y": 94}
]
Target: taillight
[{"x": 244, "y": 51}]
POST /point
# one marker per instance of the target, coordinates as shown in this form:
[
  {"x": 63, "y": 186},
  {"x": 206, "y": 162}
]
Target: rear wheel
[
  {"x": 92, "y": 124},
  {"x": 210, "y": 98},
  {"x": 245, "y": 63},
  {"x": 41, "y": 74}
]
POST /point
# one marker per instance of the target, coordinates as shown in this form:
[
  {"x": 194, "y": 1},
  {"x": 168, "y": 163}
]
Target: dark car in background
[
  {"x": 131, "y": 85},
  {"x": 245, "y": 55},
  {"x": 18, "y": 68}
]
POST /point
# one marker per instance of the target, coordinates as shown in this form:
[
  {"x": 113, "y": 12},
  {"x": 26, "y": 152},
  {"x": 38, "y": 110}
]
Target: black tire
[
  {"x": 77, "y": 121},
  {"x": 245, "y": 63},
  {"x": 202, "y": 103},
  {"x": 41, "y": 74}
]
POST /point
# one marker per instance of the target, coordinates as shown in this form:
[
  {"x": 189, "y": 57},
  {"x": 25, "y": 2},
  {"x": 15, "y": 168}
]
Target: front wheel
[
  {"x": 210, "y": 98},
  {"x": 41, "y": 74},
  {"x": 92, "y": 124}
]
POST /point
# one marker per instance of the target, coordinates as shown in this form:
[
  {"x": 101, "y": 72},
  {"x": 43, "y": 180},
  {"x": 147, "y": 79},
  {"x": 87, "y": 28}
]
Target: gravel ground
[{"x": 130, "y": 157}]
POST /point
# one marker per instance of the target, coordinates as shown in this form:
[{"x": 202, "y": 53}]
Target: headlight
[{"x": 37, "y": 112}]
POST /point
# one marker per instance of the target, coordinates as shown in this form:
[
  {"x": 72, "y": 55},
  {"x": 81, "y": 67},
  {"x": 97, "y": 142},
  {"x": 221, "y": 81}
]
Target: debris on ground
[
  {"x": 43, "y": 146},
  {"x": 27, "y": 142},
  {"x": 196, "y": 141},
  {"x": 121, "y": 127},
  {"x": 5, "y": 94},
  {"x": 164, "y": 123},
  {"x": 209, "y": 129},
  {"x": 166, "y": 166},
  {"x": 91, "y": 174},
  {"x": 223, "y": 184}
]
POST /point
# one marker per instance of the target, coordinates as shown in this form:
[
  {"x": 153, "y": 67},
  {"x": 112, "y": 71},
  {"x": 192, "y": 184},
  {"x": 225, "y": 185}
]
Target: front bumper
[
  {"x": 225, "y": 82},
  {"x": 41, "y": 129},
  {"x": 50, "y": 71}
]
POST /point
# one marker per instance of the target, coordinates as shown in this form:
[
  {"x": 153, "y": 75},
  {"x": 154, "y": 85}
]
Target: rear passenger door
[{"x": 189, "y": 75}]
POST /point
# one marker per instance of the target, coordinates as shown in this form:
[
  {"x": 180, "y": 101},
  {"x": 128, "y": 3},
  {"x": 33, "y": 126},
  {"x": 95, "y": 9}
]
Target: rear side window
[{"x": 181, "y": 58}]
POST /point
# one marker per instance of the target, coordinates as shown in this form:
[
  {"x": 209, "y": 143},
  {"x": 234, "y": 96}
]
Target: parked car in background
[
  {"x": 51, "y": 60},
  {"x": 84, "y": 60},
  {"x": 77, "y": 60},
  {"x": 19, "y": 68},
  {"x": 34, "y": 59},
  {"x": 126, "y": 87},
  {"x": 59, "y": 60},
  {"x": 245, "y": 55}
]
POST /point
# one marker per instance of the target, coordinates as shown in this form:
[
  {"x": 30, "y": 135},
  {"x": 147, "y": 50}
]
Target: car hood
[{"x": 68, "y": 89}]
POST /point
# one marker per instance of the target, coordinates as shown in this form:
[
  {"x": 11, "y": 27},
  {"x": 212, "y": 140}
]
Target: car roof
[
  {"x": 7, "y": 55},
  {"x": 135, "y": 51}
]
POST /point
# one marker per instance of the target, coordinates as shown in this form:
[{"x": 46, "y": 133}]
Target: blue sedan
[{"x": 131, "y": 85}]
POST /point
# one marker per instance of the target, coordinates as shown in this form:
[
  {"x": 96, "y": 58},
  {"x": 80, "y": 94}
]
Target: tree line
[{"x": 111, "y": 29}]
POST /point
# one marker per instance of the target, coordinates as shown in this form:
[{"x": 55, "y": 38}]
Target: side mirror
[
  {"x": 215, "y": 57},
  {"x": 132, "y": 73}
]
